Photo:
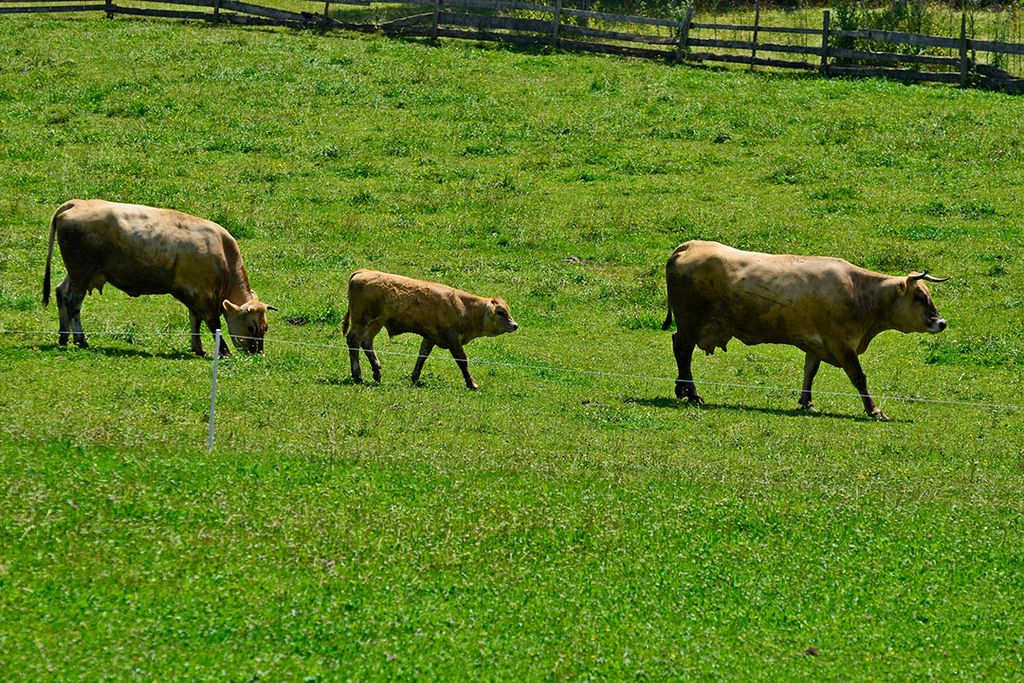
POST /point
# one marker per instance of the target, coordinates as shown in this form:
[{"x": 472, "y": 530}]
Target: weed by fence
[{"x": 838, "y": 48}]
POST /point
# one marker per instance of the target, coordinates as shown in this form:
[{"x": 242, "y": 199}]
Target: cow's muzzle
[{"x": 937, "y": 325}]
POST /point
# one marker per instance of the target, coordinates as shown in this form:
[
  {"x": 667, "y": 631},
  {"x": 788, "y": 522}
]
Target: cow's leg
[
  {"x": 459, "y": 354},
  {"x": 426, "y": 346},
  {"x": 73, "y": 298},
  {"x": 851, "y": 365},
  {"x": 64, "y": 333},
  {"x": 811, "y": 365},
  {"x": 352, "y": 339},
  {"x": 197, "y": 340},
  {"x": 682, "y": 347},
  {"x": 212, "y": 323}
]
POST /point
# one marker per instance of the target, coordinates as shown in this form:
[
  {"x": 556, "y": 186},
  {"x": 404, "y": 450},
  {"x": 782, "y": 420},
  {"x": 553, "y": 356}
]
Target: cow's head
[
  {"x": 497, "y": 318},
  {"x": 247, "y": 324},
  {"x": 914, "y": 310}
]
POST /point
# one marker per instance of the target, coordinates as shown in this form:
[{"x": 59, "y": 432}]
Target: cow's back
[
  {"x": 402, "y": 304},
  {"x": 757, "y": 297},
  {"x": 140, "y": 249}
]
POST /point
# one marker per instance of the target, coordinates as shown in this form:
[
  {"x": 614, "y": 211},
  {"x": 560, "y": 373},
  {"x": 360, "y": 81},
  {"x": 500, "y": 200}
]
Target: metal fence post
[{"x": 213, "y": 387}]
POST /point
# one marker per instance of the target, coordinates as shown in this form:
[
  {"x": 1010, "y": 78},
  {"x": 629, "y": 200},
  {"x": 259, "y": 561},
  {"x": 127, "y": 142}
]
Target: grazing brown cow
[
  {"x": 442, "y": 315},
  {"x": 142, "y": 250},
  {"x": 827, "y": 307}
]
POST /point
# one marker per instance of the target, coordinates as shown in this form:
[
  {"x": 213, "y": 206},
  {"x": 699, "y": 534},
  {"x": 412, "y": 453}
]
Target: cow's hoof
[
  {"x": 63, "y": 340},
  {"x": 810, "y": 409},
  {"x": 473, "y": 387},
  {"x": 695, "y": 400},
  {"x": 199, "y": 352},
  {"x": 82, "y": 344},
  {"x": 879, "y": 416}
]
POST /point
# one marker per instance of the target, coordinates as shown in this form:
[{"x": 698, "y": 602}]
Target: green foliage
[{"x": 570, "y": 520}]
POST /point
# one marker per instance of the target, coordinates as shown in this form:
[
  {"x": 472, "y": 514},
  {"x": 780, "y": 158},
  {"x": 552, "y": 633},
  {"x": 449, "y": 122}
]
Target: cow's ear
[
  {"x": 902, "y": 285},
  {"x": 230, "y": 307}
]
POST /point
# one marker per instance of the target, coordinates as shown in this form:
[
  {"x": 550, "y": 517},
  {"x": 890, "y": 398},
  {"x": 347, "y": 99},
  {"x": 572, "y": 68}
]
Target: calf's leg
[
  {"x": 682, "y": 347},
  {"x": 811, "y": 365},
  {"x": 371, "y": 356},
  {"x": 860, "y": 381},
  {"x": 352, "y": 339},
  {"x": 426, "y": 346},
  {"x": 459, "y": 354}
]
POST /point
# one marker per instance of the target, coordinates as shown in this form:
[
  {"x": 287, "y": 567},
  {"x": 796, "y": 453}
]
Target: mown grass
[{"x": 557, "y": 523}]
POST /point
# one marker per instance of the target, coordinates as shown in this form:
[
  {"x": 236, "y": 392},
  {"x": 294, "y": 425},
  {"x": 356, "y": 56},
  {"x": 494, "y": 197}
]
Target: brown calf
[{"x": 443, "y": 316}]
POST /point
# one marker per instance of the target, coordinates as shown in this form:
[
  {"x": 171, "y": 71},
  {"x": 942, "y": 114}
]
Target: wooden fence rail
[{"x": 908, "y": 57}]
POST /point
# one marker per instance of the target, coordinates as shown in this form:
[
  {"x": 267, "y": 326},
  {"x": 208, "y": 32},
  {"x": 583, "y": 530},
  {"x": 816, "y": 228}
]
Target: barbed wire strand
[{"x": 555, "y": 368}]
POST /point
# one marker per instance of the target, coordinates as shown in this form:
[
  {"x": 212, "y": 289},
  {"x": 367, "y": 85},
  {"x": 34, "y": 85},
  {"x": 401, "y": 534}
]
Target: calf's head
[
  {"x": 914, "y": 310},
  {"x": 247, "y": 324},
  {"x": 498, "y": 318}
]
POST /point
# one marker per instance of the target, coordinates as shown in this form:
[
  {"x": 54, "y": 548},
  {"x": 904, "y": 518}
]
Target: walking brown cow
[{"x": 827, "y": 307}]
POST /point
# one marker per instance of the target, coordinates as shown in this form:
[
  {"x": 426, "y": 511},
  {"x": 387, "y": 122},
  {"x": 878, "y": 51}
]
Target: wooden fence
[{"x": 959, "y": 60}]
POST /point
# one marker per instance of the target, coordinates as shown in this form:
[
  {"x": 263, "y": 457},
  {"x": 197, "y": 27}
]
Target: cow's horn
[
  {"x": 927, "y": 278},
  {"x": 274, "y": 308}
]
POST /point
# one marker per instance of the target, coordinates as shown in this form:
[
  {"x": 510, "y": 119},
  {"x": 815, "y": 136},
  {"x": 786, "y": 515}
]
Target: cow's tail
[
  {"x": 344, "y": 324},
  {"x": 668, "y": 283},
  {"x": 49, "y": 254}
]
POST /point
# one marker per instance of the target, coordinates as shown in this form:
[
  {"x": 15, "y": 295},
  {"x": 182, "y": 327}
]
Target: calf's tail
[
  {"x": 344, "y": 324},
  {"x": 668, "y": 318},
  {"x": 49, "y": 254}
]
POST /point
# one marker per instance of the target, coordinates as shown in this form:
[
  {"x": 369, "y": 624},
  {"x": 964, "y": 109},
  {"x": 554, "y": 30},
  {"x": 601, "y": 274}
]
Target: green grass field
[{"x": 557, "y": 524}]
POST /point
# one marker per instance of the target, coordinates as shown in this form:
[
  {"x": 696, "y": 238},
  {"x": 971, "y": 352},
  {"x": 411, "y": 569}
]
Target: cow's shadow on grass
[
  {"x": 115, "y": 352},
  {"x": 679, "y": 404}
]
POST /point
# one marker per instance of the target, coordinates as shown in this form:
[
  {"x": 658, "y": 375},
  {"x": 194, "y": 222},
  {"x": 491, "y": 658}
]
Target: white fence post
[{"x": 213, "y": 387}]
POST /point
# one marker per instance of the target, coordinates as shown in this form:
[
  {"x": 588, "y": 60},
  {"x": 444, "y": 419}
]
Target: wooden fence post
[
  {"x": 585, "y": 5},
  {"x": 824, "y": 43},
  {"x": 110, "y": 9},
  {"x": 556, "y": 22},
  {"x": 684, "y": 34},
  {"x": 433, "y": 26},
  {"x": 757, "y": 23},
  {"x": 963, "y": 51},
  {"x": 216, "y": 10},
  {"x": 327, "y": 14}
]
